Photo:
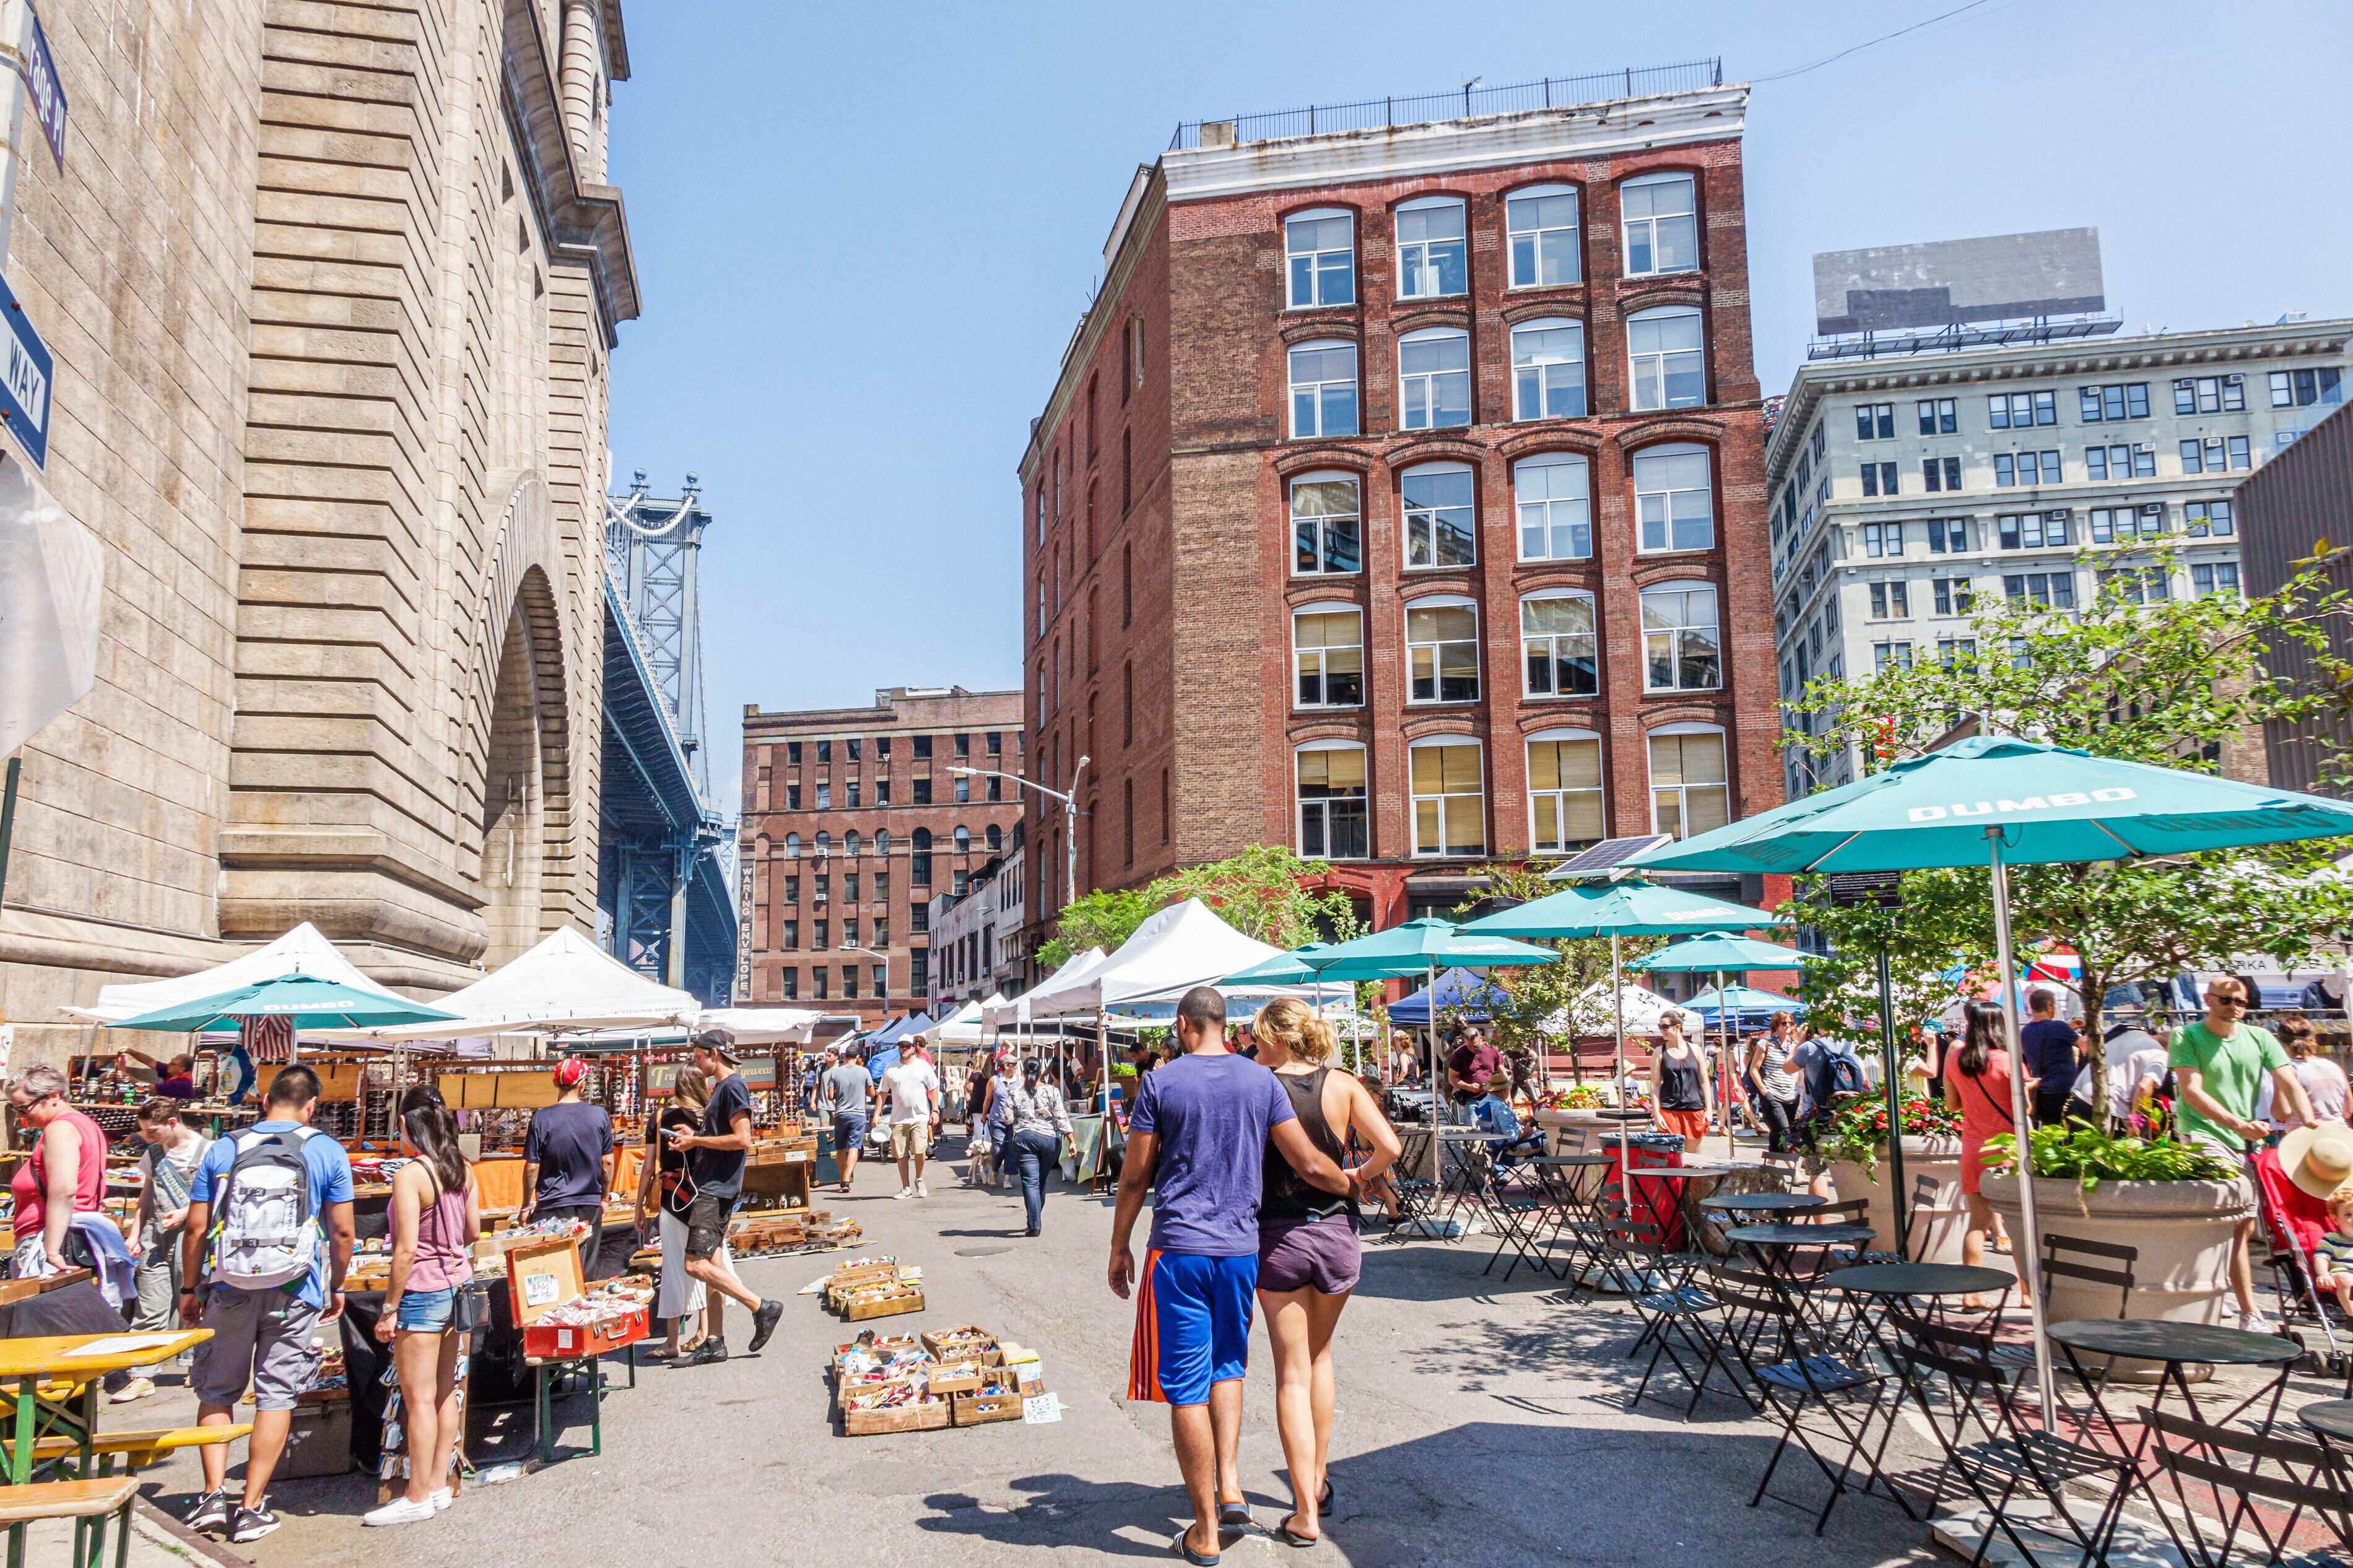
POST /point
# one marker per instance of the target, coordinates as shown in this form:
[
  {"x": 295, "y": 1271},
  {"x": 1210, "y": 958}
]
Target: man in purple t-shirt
[{"x": 1199, "y": 1135}]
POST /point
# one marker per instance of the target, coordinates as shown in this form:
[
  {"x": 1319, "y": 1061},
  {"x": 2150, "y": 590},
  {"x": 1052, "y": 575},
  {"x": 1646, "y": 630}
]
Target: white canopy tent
[
  {"x": 566, "y": 983},
  {"x": 1002, "y": 1014},
  {"x": 1182, "y": 946},
  {"x": 1592, "y": 1014},
  {"x": 760, "y": 1026},
  {"x": 301, "y": 951},
  {"x": 964, "y": 1026}
]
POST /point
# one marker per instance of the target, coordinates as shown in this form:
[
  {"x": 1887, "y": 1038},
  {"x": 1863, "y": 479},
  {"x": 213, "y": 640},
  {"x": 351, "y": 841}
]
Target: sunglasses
[{"x": 2228, "y": 1000}]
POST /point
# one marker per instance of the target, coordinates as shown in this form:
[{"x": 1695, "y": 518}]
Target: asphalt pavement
[{"x": 1478, "y": 1423}]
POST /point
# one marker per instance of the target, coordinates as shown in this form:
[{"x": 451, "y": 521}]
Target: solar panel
[{"x": 1606, "y": 861}]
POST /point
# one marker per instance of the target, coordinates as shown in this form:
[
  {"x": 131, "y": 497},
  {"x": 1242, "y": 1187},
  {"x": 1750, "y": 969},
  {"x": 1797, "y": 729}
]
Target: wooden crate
[
  {"x": 959, "y": 1377},
  {"x": 927, "y": 1414},
  {"x": 958, "y": 1343},
  {"x": 982, "y": 1409},
  {"x": 907, "y": 1299}
]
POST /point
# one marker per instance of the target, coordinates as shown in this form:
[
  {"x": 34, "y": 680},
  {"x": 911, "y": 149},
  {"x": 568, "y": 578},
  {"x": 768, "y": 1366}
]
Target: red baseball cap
[{"x": 571, "y": 1072}]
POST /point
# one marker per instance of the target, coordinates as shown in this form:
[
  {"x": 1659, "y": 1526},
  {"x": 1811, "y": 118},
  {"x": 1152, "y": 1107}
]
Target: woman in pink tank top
[
  {"x": 437, "y": 1213},
  {"x": 66, "y": 1175}
]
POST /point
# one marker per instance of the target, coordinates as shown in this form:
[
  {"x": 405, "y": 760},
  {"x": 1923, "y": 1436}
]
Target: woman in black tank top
[{"x": 1308, "y": 1256}]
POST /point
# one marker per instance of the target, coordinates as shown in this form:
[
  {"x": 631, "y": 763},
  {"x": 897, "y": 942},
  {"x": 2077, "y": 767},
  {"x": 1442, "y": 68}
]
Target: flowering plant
[
  {"x": 2092, "y": 1156},
  {"x": 1576, "y": 1097},
  {"x": 1858, "y": 1131}
]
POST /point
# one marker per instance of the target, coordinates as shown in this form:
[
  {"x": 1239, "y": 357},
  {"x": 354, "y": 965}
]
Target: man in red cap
[{"x": 568, "y": 1162}]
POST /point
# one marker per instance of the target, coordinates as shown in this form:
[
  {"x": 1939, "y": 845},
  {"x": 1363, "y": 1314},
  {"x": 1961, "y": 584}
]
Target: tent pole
[
  {"x": 1625, "y": 1138},
  {"x": 1892, "y": 1057},
  {"x": 1724, "y": 1063},
  {"x": 2022, "y": 1124}
]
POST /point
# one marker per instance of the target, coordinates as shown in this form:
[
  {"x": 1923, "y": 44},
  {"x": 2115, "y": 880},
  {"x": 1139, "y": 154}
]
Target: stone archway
[{"x": 522, "y": 774}]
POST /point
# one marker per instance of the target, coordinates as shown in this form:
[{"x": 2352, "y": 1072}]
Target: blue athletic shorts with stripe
[{"x": 1192, "y": 1326}]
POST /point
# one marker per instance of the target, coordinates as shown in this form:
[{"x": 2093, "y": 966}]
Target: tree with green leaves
[
  {"x": 2149, "y": 680},
  {"x": 1538, "y": 1000},
  {"x": 1266, "y": 892}
]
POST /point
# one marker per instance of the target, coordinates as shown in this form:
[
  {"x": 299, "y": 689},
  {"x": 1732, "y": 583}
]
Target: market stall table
[{"x": 72, "y": 1366}]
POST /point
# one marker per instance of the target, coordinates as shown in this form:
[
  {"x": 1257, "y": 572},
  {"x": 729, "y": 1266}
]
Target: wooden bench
[
  {"x": 88, "y": 1503},
  {"x": 136, "y": 1449}
]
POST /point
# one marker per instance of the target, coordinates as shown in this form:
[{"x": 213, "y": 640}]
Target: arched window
[
  {"x": 1433, "y": 257},
  {"x": 963, "y": 840},
  {"x": 1662, "y": 226},
  {"x": 1441, "y": 515},
  {"x": 1673, "y": 501},
  {"x": 824, "y": 845},
  {"x": 919, "y": 860},
  {"x": 996, "y": 838},
  {"x": 1442, "y": 647},
  {"x": 1553, "y": 494},
  {"x": 883, "y": 843},
  {"x": 1666, "y": 358},
  {"x": 1321, "y": 247},
  {"x": 1327, "y": 643},
  {"x": 849, "y": 844},
  {"x": 1434, "y": 379},
  {"x": 1565, "y": 796},
  {"x": 1333, "y": 820},
  {"x": 1690, "y": 792},
  {"x": 1327, "y": 525},
  {"x": 1548, "y": 370},
  {"x": 1681, "y": 650},
  {"x": 1323, "y": 390},
  {"x": 1556, "y": 645},
  {"x": 1542, "y": 222},
  {"x": 792, "y": 845},
  {"x": 1449, "y": 799}
]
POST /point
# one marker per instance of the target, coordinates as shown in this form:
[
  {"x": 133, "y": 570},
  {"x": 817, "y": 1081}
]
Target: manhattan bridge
[{"x": 666, "y": 850}]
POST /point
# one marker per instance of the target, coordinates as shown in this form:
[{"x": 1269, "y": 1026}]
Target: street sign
[
  {"x": 24, "y": 367},
  {"x": 52, "y": 586},
  {"x": 1858, "y": 890},
  {"x": 39, "y": 69}
]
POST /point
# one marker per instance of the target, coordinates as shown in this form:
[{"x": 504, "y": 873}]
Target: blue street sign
[
  {"x": 39, "y": 69},
  {"x": 24, "y": 367}
]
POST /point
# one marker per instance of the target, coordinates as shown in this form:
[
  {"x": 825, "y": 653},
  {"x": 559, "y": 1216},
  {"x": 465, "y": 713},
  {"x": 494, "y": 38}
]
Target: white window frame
[
  {"x": 1683, "y": 809},
  {"x": 1325, "y": 607},
  {"x": 1322, "y": 524},
  {"x": 1294, "y": 384},
  {"x": 1413, "y": 801},
  {"x": 1649, "y": 223},
  {"x": 1535, "y": 235},
  {"x": 1593, "y": 638},
  {"x": 1667, "y": 546},
  {"x": 1560, "y": 796},
  {"x": 1677, "y": 633},
  {"x": 1436, "y": 668},
  {"x": 1539, "y": 370},
  {"x": 1407, "y": 272},
  {"x": 1299, "y": 804},
  {"x": 1410, "y": 516},
  {"x": 1291, "y": 256},
  {"x": 1428, "y": 380},
  {"x": 1549, "y": 512},
  {"x": 1657, "y": 360}
]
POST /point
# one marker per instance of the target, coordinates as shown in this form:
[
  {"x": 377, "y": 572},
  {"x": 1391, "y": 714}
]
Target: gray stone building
[
  {"x": 1908, "y": 488},
  {"x": 332, "y": 292}
]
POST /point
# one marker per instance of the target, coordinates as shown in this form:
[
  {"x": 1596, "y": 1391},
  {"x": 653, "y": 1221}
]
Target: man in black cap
[{"x": 720, "y": 1147}]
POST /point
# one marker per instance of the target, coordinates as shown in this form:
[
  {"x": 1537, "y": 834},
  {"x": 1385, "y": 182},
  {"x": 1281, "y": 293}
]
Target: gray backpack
[{"x": 264, "y": 1234}]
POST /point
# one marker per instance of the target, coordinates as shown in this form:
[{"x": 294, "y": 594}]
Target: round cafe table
[
  {"x": 2175, "y": 1345},
  {"x": 1764, "y": 1202},
  {"x": 2331, "y": 1421}
]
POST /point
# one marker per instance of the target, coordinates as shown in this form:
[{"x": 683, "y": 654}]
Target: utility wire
[{"x": 1870, "y": 44}]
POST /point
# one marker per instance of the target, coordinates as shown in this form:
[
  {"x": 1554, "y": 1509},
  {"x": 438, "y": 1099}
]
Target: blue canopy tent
[
  {"x": 884, "y": 1042},
  {"x": 1750, "y": 1007},
  {"x": 1458, "y": 992}
]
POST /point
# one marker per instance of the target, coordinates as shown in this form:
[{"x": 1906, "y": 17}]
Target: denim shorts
[{"x": 426, "y": 1311}]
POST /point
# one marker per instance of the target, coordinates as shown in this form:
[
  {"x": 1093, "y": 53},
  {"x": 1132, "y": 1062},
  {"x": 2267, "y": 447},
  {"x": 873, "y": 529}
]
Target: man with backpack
[
  {"x": 1830, "y": 1074},
  {"x": 268, "y": 1241}
]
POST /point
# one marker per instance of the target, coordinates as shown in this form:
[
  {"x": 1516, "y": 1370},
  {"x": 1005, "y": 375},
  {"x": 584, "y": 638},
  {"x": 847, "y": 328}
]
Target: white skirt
[{"x": 679, "y": 1295}]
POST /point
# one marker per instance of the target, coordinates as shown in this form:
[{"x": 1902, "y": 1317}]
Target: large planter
[
  {"x": 1556, "y": 1123},
  {"x": 2183, "y": 1232},
  {"x": 1937, "y": 1229}
]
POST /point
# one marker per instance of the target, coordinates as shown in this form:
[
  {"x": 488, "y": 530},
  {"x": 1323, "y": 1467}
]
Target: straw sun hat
[{"x": 2318, "y": 1158}]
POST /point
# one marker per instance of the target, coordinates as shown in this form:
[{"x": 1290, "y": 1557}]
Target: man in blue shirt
[
  {"x": 1199, "y": 1134},
  {"x": 261, "y": 1333},
  {"x": 2048, "y": 1044}
]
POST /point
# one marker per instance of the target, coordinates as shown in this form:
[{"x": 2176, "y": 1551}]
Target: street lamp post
[{"x": 1070, "y": 813}]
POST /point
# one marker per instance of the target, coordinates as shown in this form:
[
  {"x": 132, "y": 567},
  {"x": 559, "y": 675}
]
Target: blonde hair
[
  {"x": 2341, "y": 1196},
  {"x": 1295, "y": 1026},
  {"x": 691, "y": 1087}
]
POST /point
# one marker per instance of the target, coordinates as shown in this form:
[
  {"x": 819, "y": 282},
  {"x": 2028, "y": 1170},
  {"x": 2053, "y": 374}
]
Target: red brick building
[
  {"x": 854, "y": 817},
  {"x": 1401, "y": 499}
]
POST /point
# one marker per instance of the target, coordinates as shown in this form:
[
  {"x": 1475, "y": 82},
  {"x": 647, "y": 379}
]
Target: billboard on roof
[{"x": 1948, "y": 282}]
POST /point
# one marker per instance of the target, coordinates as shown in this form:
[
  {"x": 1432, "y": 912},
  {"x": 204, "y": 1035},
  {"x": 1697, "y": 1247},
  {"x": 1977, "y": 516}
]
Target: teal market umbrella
[
  {"x": 1720, "y": 952},
  {"x": 1617, "y": 909},
  {"x": 1291, "y": 969},
  {"x": 1997, "y": 801},
  {"x": 311, "y": 1002}
]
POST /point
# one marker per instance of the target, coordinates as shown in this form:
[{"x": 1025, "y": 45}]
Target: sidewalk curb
[{"x": 157, "y": 1525}]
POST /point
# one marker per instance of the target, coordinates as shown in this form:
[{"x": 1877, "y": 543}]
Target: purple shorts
[{"x": 1319, "y": 1255}]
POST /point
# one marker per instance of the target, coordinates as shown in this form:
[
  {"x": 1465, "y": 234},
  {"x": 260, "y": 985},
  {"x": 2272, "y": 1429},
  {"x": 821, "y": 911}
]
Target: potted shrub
[
  {"x": 1854, "y": 1144},
  {"x": 2178, "y": 1204},
  {"x": 1580, "y": 1105}
]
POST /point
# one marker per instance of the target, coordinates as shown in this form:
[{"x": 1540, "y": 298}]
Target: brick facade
[
  {"x": 789, "y": 839},
  {"x": 1180, "y": 568}
]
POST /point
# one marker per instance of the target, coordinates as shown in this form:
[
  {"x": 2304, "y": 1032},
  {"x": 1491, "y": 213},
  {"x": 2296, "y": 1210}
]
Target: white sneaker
[
  {"x": 2258, "y": 1322},
  {"x": 399, "y": 1510},
  {"x": 439, "y": 1498},
  {"x": 923, "y": 1190},
  {"x": 904, "y": 1193},
  {"x": 137, "y": 1388}
]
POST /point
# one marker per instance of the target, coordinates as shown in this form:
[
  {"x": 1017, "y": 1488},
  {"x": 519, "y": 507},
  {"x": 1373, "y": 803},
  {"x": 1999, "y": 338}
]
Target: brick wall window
[
  {"x": 1449, "y": 799},
  {"x": 1127, "y": 704},
  {"x": 1333, "y": 821},
  {"x": 1126, "y": 587},
  {"x": 1553, "y": 494},
  {"x": 1666, "y": 356},
  {"x": 1547, "y": 370},
  {"x": 1659, "y": 214},
  {"x": 1327, "y": 525},
  {"x": 1328, "y": 656},
  {"x": 1542, "y": 223},
  {"x": 1689, "y": 792},
  {"x": 1164, "y": 805},
  {"x": 1682, "y": 649},
  {"x": 1442, "y": 639},
  {"x": 1434, "y": 379},
  {"x": 1320, "y": 250},
  {"x": 1094, "y": 422},
  {"x": 1323, "y": 390},
  {"x": 1127, "y": 821},
  {"x": 789, "y": 983},
  {"x": 1674, "y": 498},
  {"x": 1565, "y": 796},
  {"x": 1441, "y": 521},
  {"x": 1556, "y": 645},
  {"x": 1432, "y": 256},
  {"x": 1126, "y": 471}
]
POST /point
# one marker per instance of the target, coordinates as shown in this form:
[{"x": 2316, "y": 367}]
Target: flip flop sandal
[
  {"x": 1198, "y": 1559},
  {"x": 1323, "y": 1502},
  {"x": 1235, "y": 1516},
  {"x": 1285, "y": 1534}
]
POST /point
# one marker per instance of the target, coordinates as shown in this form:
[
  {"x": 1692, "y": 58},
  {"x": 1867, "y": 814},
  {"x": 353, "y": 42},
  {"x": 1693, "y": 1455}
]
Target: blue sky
[{"x": 863, "y": 234}]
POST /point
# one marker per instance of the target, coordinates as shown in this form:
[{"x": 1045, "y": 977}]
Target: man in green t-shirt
[{"x": 2219, "y": 1065}]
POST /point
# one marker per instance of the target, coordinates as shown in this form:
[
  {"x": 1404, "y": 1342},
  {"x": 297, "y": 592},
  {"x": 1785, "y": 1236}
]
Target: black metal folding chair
[
  {"x": 1520, "y": 1205},
  {"x": 2091, "y": 1262},
  {"x": 1981, "y": 1412},
  {"x": 2227, "y": 1462}
]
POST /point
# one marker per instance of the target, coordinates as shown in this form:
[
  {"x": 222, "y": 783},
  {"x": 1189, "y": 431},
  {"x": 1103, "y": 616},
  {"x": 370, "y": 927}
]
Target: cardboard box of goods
[
  {"x": 961, "y": 1343},
  {"x": 884, "y": 1303},
  {"x": 872, "y": 1415}
]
